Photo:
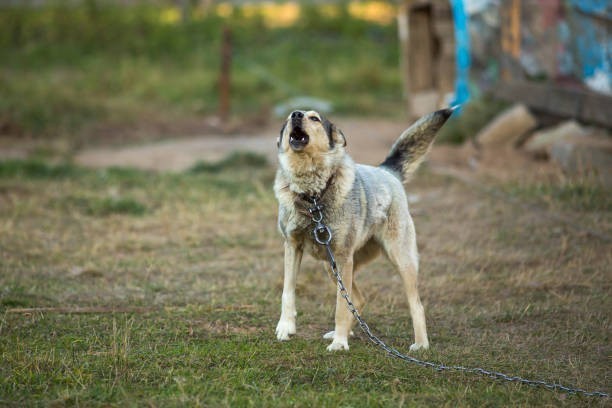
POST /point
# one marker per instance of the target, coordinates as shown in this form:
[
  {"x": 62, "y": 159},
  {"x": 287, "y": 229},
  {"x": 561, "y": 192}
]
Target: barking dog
[{"x": 364, "y": 206}]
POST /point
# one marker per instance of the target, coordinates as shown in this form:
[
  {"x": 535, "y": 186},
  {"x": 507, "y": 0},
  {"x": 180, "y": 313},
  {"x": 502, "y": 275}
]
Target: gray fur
[{"x": 365, "y": 207}]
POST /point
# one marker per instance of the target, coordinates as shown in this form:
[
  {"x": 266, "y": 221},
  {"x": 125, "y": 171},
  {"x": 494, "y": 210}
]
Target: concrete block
[{"x": 507, "y": 128}]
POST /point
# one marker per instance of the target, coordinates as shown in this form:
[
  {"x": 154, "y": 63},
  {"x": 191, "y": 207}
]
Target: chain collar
[{"x": 322, "y": 233}]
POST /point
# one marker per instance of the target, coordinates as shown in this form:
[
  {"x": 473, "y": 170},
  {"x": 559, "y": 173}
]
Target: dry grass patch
[{"x": 503, "y": 288}]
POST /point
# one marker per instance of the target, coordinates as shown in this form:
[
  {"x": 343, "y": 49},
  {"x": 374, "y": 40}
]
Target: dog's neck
[
  {"x": 319, "y": 195},
  {"x": 307, "y": 175},
  {"x": 306, "y": 182}
]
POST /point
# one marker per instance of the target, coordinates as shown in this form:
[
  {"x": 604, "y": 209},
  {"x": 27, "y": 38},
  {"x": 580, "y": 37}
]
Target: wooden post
[
  {"x": 515, "y": 29},
  {"x": 404, "y": 41},
  {"x": 422, "y": 70},
  {"x": 510, "y": 38},
  {"x": 185, "y": 10},
  {"x": 224, "y": 75}
]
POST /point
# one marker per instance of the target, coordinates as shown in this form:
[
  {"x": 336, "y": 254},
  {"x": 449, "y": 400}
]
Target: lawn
[
  {"x": 164, "y": 290},
  {"x": 92, "y": 65}
]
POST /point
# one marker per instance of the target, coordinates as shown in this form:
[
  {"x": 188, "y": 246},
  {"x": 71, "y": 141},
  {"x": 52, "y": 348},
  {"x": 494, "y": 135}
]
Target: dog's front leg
[
  {"x": 293, "y": 259},
  {"x": 344, "y": 318}
]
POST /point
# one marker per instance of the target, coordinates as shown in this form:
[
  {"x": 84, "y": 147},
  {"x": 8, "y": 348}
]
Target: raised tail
[{"x": 410, "y": 149}]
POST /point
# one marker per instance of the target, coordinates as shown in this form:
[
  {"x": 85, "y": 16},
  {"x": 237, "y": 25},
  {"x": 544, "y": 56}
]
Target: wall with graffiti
[{"x": 566, "y": 42}]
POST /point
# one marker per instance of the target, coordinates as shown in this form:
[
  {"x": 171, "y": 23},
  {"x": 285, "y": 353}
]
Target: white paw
[
  {"x": 337, "y": 345},
  {"x": 283, "y": 329},
  {"x": 330, "y": 335},
  {"x": 419, "y": 346}
]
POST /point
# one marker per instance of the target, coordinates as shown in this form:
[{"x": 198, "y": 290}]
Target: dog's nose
[{"x": 297, "y": 114}]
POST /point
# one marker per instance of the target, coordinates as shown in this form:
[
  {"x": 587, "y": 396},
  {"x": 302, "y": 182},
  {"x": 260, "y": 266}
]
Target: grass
[
  {"x": 573, "y": 194},
  {"x": 103, "y": 206},
  {"x": 71, "y": 68},
  {"x": 503, "y": 289},
  {"x": 233, "y": 161}
]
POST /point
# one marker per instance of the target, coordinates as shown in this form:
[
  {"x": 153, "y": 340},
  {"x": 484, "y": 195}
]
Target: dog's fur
[{"x": 364, "y": 206}]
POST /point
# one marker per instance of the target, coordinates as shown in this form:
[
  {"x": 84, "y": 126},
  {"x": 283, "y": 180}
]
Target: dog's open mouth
[{"x": 298, "y": 139}]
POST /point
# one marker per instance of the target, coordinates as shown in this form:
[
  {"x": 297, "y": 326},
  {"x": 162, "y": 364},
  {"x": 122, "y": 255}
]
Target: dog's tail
[{"x": 409, "y": 150}]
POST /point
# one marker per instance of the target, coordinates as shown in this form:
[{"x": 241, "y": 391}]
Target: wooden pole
[
  {"x": 224, "y": 75},
  {"x": 404, "y": 41},
  {"x": 510, "y": 38},
  {"x": 185, "y": 10}
]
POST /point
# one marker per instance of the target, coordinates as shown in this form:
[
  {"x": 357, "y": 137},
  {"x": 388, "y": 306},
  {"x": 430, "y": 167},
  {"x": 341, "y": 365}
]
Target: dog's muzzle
[{"x": 298, "y": 139}]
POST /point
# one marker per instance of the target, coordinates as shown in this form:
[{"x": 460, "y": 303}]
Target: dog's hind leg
[
  {"x": 286, "y": 323},
  {"x": 357, "y": 298},
  {"x": 362, "y": 257},
  {"x": 403, "y": 254}
]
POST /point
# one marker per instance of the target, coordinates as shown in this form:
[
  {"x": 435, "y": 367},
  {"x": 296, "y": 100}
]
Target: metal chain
[{"x": 323, "y": 236}]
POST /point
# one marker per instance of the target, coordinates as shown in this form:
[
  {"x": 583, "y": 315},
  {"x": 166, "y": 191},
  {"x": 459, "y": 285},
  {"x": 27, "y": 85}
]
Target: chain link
[{"x": 316, "y": 213}]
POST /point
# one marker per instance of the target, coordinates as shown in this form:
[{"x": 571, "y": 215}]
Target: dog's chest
[
  {"x": 315, "y": 250},
  {"x": 299, "y": 228}
]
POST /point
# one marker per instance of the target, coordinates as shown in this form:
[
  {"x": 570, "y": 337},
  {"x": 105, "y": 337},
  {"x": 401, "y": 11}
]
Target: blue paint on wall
[
  {"x": 601, "y": 8},
  {"x": 462, "y": 53},
  {"x": 592, "y": 42}
]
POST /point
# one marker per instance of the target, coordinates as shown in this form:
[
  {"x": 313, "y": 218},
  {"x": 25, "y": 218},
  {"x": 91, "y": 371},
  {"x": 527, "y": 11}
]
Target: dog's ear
[
  {"x": 339, "y": 137},
  {"x": 334, "y": 134},
  {"x": 279, "y": 139}
]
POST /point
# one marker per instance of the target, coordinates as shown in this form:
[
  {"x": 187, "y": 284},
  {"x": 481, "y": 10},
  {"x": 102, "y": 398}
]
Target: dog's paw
[
  {"x": 338, "y": 345},
  {"x": 419, "y": 346},
  {"x": 284, "y": 329},
  {"x": 330, "y": 335}
]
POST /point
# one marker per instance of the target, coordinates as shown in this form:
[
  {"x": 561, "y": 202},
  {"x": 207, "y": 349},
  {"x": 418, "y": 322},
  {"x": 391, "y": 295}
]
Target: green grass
[
  {"x": 102, "y": 206},
  {"x": 580, "y": 194},
  {"x": 36, "y": 169},
  {"x": 503, "y": 289},
  {"x": 235, "y": 160},
  {"x": 69, "y": 68}
]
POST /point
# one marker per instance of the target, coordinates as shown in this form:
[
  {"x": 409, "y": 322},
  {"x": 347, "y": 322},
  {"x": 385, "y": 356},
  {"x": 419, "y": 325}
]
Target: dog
[{"x": 365, "y": 207}]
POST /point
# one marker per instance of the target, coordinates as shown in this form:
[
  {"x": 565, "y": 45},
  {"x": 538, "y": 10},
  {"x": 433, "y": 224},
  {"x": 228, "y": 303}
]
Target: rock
[
  {"x": 540, "y": 142},
  {"x": 585, "y": 156},
  {"x": 507, "y": 128}
]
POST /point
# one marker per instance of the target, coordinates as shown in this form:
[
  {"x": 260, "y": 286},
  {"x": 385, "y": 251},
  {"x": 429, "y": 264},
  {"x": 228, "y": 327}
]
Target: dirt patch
[
  {"x": 177, "y": 154},
  {"x": 369, "y": 141}
]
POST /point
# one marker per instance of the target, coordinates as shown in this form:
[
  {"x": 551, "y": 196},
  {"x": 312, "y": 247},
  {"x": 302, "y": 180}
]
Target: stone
[
  {"x": 585, "y": 156},
  {"x": 540, "y": 142},
  {"x": 507, "y": 128}
]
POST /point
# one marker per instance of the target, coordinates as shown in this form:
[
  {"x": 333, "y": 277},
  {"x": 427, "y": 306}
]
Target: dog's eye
[{"x": 314, "y": 119}]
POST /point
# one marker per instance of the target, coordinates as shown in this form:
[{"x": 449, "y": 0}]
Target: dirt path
[{"x": 369, "y": 140}]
